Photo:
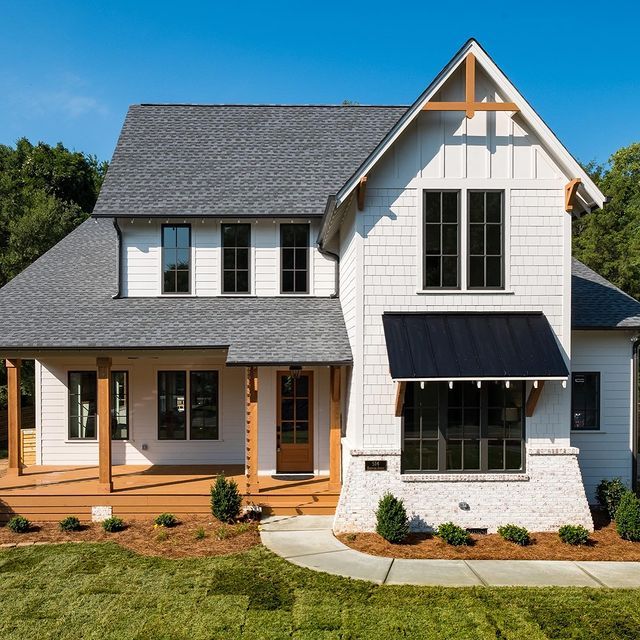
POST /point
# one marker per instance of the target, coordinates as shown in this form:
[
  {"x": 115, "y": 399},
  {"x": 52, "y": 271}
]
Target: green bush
[
  {"x": 167, "y": 520},
  {"x": 628, "y": 517},
  {"x": 574, "y": 534},
  {"x": 453, "y": 534},
  {"x": 609, "y": 493},
  {"x": 514, "y": 533},
  {"x": 19, "y": 524},
  {"x": 113, "y": 524},
  {"x": 225, "y": 499},
  {"x": 70, "y": 523},
  {"x": 200, "y": 533},
  {"x": 391, "y": 519}
]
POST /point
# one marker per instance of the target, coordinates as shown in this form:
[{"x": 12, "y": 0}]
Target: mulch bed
[
  {"x": 604, "y": 544},
  {"x": 143, "y": 537}
]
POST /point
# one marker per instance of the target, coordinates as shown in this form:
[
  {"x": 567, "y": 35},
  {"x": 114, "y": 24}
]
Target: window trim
[
  {"x": 162, "y": 250},
  {"x": 280, "y": 260},
  {"x": 71, "y": 438},
  {"x": 502, "y": 239},
  {"x": 598, "y": 410},
  {"x": 128, "y": 397},
  {"x": 249, "y": 258},
  {"x": 423, "y": 236},
  {"x": 483, "y": 439}
]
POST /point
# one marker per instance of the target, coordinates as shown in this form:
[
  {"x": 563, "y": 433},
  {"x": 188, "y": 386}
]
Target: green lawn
[{"x": 103, "y": 591}]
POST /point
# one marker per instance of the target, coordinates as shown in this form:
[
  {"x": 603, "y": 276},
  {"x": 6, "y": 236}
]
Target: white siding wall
[
  {"x": 142, "y": 256},
  {"x": 606, "y": 453}
]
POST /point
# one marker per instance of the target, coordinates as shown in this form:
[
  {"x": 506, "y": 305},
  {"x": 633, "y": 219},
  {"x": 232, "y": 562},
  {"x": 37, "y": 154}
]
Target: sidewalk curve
[{"x": 308, "y": 541}]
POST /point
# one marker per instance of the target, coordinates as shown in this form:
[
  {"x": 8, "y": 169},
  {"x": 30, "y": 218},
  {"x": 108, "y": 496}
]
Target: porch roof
[{"x": 64, "y": 301}]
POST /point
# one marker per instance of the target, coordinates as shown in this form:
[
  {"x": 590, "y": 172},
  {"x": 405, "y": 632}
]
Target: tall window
[
  {"x": 83, "y": 387},
  {"x": 176, "y": 258},
  {"x": 119, "y": 405},
  {"x": 441, "y": 239},
  {"x": 486, "y": 242},
  {"x": 200, "y": 412},
  {"x": 585, "y": 401},
  {"x": 294, "y": 257},
  {"x": 236, "y": 243},
  {"x": 463, "y": 429}
]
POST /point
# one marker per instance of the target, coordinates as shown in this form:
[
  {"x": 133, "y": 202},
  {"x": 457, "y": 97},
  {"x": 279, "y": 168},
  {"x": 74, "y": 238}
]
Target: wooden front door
[{"x": 295, "y": 423}]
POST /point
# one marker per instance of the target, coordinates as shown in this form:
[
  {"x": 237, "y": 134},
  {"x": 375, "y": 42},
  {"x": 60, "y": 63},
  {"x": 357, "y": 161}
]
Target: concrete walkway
[{"x": 309, "y": 542}]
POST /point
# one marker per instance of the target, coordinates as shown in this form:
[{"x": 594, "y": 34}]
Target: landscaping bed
[
  {"x": 604, "y": 544},
  {"x": 193, "y": 536}
]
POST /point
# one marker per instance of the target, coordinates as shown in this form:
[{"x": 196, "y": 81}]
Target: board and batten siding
[
  {"x": 142, "y": 258},
  {"x": 606, "y": 453}
]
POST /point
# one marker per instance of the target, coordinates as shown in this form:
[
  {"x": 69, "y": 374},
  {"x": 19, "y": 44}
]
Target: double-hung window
[
  {"x": 176, "y": 258},
  {"x": 486, "y": 242},
  {"x": 441, "y": 239},
  {"x": 236, "y": 245},
  {"x": 188, "y": 399},
  {"x": 119, "y": 405},
  {"x": 294, "y": 258},
  {"x": 585, "y": 401},
  {"x": 464, "y": 428}
]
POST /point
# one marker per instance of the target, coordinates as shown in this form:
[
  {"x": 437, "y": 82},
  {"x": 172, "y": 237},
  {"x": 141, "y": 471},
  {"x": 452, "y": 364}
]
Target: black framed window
[
  {"x": 486, "y": 240},
  {"x": 172, "y": 406},
  {"x": 176, "y": 258},
  {"x": 294, "y": 258},
  {"x": 119, "y": 405},
  {"x": 464, "y": 428},
  {"x": 441, "y": 240},
  {"x": 236, "y": 245},
  {"x": 203, "y": 418},
  {"x": 83, "y": 391},
  {"x": 585, "y": 401}
]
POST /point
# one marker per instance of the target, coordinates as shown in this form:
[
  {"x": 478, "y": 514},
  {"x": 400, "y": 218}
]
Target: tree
[{"x": 608, "y": 240}]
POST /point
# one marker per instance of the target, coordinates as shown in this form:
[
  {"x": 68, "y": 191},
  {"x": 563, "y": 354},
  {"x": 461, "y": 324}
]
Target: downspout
[
  {"x": 336, "y": 258},
  {"x": 116, "y": 226},
  {"x": 634, "y": 416},
  {"x": 328, "y": 213}
]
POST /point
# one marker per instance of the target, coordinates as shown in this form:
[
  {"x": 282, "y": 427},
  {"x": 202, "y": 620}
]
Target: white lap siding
[{"x": 606, "y": 453}]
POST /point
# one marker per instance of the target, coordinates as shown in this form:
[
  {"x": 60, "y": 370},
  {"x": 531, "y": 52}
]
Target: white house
[{"x": 340, "y": 301}]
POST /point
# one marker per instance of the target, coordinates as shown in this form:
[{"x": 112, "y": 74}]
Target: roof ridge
[{"x": 268, "y": 104}]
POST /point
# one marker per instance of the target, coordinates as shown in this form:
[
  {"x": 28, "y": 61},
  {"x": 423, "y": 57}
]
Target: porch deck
[{"x": 49, "y": 493}]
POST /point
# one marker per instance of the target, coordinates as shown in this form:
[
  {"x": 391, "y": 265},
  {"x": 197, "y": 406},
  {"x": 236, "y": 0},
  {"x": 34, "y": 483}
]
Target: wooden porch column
[
  {"x": 14, "y": 414},
  {"x": 105, "y": 482},
  {"x": 335, "y": 431},
  {"x": 251, "y": 468}
]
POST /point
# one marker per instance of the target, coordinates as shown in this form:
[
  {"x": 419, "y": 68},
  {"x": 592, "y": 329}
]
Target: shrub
[
  {"x": 166, "y": 520},
  {"x": 453, "y": 534},
  {"x": 225, "y": 499},
  {"x": 391, "y": 516},
  {"x": 162, "y": 535},
  {"x": 573, "y": 534},
  {"x": 19, "y": 524},
  {"x": 514, "y": 533},
  {"x": 200, "y": 533},
  {"x": 609, "y": 493},
  {"x": 222, "y": 533},
  {"x": 113, "y": 524},
  {"x": 70, "y": 523},
  {"x": 628, "y": 517}
]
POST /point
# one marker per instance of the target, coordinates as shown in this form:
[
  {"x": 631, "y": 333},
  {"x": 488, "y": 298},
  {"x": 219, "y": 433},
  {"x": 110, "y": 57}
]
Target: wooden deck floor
[{"x": 48, "y": 493}]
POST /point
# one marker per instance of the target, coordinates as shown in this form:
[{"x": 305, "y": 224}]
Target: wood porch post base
[{"x": 105, "y": 487}]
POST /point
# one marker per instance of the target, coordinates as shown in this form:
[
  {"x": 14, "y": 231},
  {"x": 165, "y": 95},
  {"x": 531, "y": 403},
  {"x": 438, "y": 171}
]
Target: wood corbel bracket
[
  {"x": 570, "y": 192},
  {"x": 361, "y": 191}
]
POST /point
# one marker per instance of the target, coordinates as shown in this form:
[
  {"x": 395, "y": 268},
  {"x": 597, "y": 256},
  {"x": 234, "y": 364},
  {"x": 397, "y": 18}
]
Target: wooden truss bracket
[
  {"x": 532, "y": 400},
  {"x": 570, "y": 192},
  {"x": 470, "y": 106},
  {"x": 400, "y": 398},
  {"x": 361, "y": 191}
]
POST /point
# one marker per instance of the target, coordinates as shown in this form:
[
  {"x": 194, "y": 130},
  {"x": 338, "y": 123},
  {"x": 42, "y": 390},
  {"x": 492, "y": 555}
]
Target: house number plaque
[{"x": 375, "y": 465}]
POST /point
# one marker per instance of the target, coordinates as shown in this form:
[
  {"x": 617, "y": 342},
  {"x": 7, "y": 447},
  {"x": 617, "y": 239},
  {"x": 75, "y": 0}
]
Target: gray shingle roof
[
  {"x": 64, "y": 301},
  {"x": 598, "y": 304},
  {"x": 229, "y": 160}
]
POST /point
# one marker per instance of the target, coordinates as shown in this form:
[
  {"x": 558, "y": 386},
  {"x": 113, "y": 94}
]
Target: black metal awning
[{"x": 472, "y": 346}]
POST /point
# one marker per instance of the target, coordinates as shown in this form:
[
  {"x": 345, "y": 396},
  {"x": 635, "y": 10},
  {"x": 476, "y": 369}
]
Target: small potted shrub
[
  {"x": 19, "y": 524},
  {"x": 113, "y": 524},
  {"x": 391, "y": 519},
  {"x": 166, "y": 520},
  {"x": 225, "y": 499},
  {"x": 69, "y": 524},
  {"x": 609, "y": 493},
  {"x": 574, "y": 534},
  {"x": 453, "y": 534},
  {"x": 628, "y": 517},
  {"x": 514, "y": 533}
]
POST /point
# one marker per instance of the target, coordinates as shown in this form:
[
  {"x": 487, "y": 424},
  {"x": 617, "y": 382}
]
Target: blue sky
[{"x": 68, "y": 70}]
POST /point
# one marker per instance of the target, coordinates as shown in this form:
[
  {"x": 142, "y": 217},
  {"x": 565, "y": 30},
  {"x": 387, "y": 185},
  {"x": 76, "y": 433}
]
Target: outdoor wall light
[
  {"x": 295, "y": 371},
  {"x": 464, "y": 506}
]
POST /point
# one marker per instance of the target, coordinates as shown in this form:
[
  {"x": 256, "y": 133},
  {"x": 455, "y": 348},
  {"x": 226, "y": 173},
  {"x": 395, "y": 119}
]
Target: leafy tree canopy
[{"x": 608, "y": 240}]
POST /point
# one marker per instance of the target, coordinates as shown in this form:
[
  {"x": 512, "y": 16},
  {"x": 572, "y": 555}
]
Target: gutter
[
  {"x": 326, "y": 218},
  {"x": 116, "y": 226}
]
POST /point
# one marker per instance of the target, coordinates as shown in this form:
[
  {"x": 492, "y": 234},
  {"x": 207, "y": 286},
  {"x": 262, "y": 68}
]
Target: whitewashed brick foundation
[{"x": 549, "y": 494}]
